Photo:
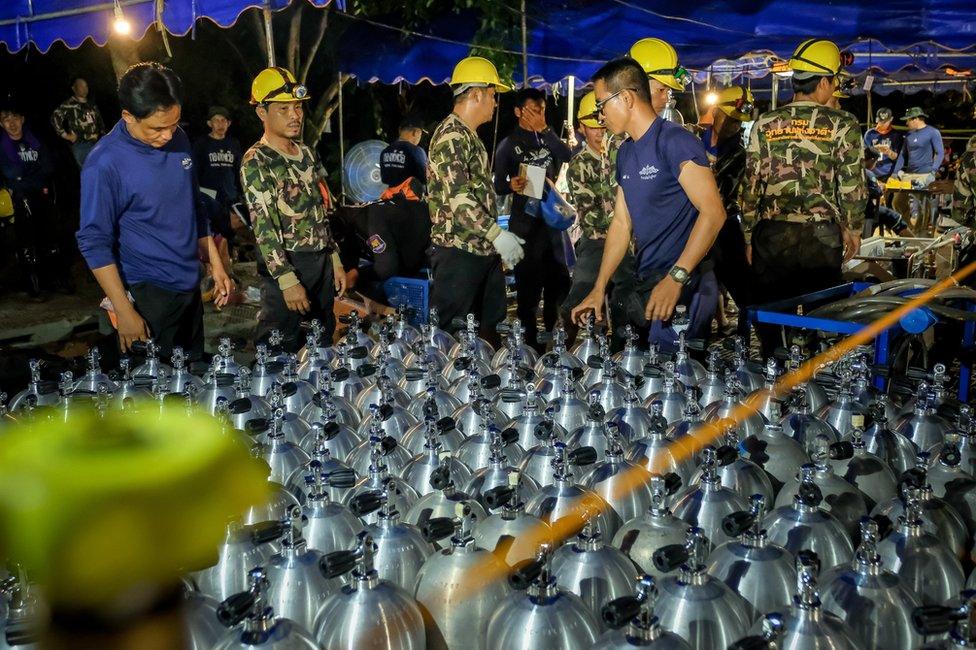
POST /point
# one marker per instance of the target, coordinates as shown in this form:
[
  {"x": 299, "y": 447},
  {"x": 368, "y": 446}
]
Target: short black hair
[
  {"x": 808, "y": 85},
  {"x": 523, "y": 95},
  {"x": 622, "y": 73},
  {"x": 149, "y": 87}
]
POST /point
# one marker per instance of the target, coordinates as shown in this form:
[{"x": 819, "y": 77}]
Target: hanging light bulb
[
  {"x": 121, "y": 24},
  {"x": 711, "y": 98}
]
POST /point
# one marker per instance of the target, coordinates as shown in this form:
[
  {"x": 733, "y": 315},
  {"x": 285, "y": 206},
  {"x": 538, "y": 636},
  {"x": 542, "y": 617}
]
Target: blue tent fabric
[
  {"x": 45, "y": 22},
  {"x": 573, "y": 37}
]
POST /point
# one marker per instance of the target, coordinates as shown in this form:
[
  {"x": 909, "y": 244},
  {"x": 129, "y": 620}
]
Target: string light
[{"x": 121, "y": 24}]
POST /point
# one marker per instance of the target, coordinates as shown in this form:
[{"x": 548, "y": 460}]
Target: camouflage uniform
[
  {"x": 292, "y": 232},
  {"x": 80, "y": 118},
  {"x": 964, "y": 192},
  {"x": 805, "y": 184},
  {"x": 805, "y": 162},
  {"x": 460, "y": 191},
  {"x": 593, "y": 186},
  {"x": 467, "y": 272}
]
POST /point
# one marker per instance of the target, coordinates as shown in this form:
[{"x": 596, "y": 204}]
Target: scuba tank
[
  {"x": 244, "y": 547},
  {"x": 672, "y": 396},
  {"x": 245, "y": 406},
  {"x": 594, "y": 432},
  {"x": 590, "y": 345},
  {"x": 45, "y": 393},
  {"x": 632, "y": 622},
  {"x": 497, "y": 471},
  {"x": 394, "y": 456},
  {"x": 569, "y": 411},
  {"x": 261, "y": 628},
  {"x": 265, "y": 372},
  {"x": 469, "y": 341},
  {"x": 439, "y": 406},
  {"x": 657, "y": 527},
  {"x": 732, "y": 407},
  {"x": 399, "y": 549},
  {"x": 528, "y": 418},
  {"x": 712, "y": 387},
  {"x": 739, "y": 474},
  {"x": 443, "y": 500},
  {"x": 380, "y": 480},
  {"x": 688, "y": 371},
  {"x": 804, "y": 525},
  {"x": 762, "y": 399},
  {"x": 537, "y": 462},
  {"x": 846, "y": 588},
  {"x": 801, "y": 424},
  {"x": 655, "y": 452},
  {"x": 631, "y": 359},
  {"x": 632, "y": 419},
  {"x": 418, "y": 471},
  {"x": 540, "y": 615},
  {"x": 761, "y": 572},
  {"x": 953, "y": 483},
  {"x": 282, "y": 456},
  {"x": 893, "y": 448},
  {"x": 923, "y": 561},
  {"x": 510, "y": 530},
  {"x": 393, "y": 420},
  {"x": 339, "y": 440},
  {"x": 477, "y": 449},
  {"x": 514, "y": 347},
  {"x": 327, "y": 406},
  {"x": 805, "y": 625},
  {"x": 704, "y": 505},
  {"x": 626, "y": 486},
  {"x": 595, "y": 572},
  {"x": 696, "y": 606},
  {"x": 331, "y": 526},
  {"x": 460, "y": 587},
  {"x": 838, "y": 412},
  {"x": 864, "y": 470},
  {"x": 924, "y": 427},
  {"x": 779, "y": 455},
  {"x": 558, "y": 355},
  {"x": 369, "y": 612}
]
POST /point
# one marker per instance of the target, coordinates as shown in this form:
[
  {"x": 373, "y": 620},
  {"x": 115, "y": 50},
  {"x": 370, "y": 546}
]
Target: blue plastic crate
[{"x": 410, "y": 292}]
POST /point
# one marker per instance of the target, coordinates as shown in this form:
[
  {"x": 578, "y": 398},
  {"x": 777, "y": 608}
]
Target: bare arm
[
  {"x": 618, "y": 241},
  {"x": 223, "y": 285},
  {"x": 130, "y": 324}
]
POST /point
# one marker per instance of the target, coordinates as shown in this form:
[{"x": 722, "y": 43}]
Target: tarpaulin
[
  {"x": 574, "y": 37},
  {"x": 45, "y": 22}
]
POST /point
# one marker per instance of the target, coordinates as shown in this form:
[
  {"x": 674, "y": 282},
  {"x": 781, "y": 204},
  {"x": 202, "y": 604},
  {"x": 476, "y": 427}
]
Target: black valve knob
[
  {"x": 597, "y": 413},
  {"x": 841, "y": 450},
  {"x": 239, "y": 405},
  {"x": 935, "y": 619},
  {"x": 525, "y": 574},
  {"x": 594, "y": 361},
  {"x": 672, "y": 483},
  {"x": 509, "y": 436},
  {"x": 809, "y": 558},
  {"x": 358, "y": 352},
  {"x": 543, "y": 430},
  {"x": 387, "y": 445},
  {"x": 582, "y": 456},
  {"x": 497, "y": 497},
  {"x": 342, "y": 478},
  {"x": 670, "y": 557},
  {"x": 331, "y": 430},
  {"x": 289, "y": 388},
  {"x": 491, "y": 382},
  {"x": 337, "y": 563},
  {"x": 912, "y": 479},
  {"x": 620, "y": 611},
  {"x": 414, "y": 374},
  {"x": 365, "y": 503},
  {"x": 726, "y": 455},
  {"x": 340, "y": 374},
  {"x": 752, "y": 643},
  {"x": 462, "y": 363},
  {"x": 446, "y": 424},
  {"x": 267, "y": 531},
  {"x": 437, "y": 528},
  {"x": 235, "y": 609},
  {"x": 810, "y": 495},
  {"x": 440, "y": 478},
  {"x": 384, "y": 412},
  {"x": 736, "y": 523}
]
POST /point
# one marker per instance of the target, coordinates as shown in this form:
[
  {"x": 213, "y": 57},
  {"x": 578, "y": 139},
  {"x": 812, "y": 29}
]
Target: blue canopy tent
[
  {"x": 45, "y": 22},
  {"x": 725, "y": 39}
]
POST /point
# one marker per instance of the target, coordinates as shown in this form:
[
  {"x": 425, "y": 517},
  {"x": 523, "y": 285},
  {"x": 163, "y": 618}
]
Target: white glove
[
  {"x": 901, "y": 174},
  {"x": 509, "y": 247}
]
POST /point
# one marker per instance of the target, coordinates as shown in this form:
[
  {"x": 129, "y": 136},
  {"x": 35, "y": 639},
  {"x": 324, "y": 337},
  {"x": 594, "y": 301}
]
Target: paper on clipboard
[{"x": 535, "y": 177}]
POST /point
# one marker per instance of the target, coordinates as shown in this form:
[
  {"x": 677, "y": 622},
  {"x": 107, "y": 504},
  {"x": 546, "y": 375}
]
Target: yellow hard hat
[
  {"x": 820, "y": 57},
  {"x": 6, "y": 204},
  {"x": 477, "y": 71},
  {"x": 587, "y": 111},
  {"x": 277, "y": 85},
  {"x": 736, "y": 102},
  {"x": 660, "y": 62},
  {"x": 840, "y": 95}
]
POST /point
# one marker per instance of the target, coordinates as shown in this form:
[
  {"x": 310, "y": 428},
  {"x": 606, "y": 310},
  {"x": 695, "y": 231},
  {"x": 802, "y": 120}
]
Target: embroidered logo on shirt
[
  {"x": 376, "y": 244},
  {"x": 187, "y": 162},
  {"x": 648, "y": 172}
]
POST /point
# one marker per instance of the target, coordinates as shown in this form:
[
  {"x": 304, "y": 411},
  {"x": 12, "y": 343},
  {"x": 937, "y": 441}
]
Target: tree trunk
[
  {"x": 295, "y": 40},
  {"x": 327, "y": 104}
]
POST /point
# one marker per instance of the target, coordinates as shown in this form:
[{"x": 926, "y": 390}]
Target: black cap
[
  {"x": 412, "y": 122},
  {"x": 218, "y": 110},
  {"x": 883, "y": 115}
]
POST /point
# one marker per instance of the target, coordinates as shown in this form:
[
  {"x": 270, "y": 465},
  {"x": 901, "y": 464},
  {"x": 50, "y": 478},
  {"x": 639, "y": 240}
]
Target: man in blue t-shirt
[
  {"x": 884, "y": 142},
  {"x": 667, "y": 200},
  {"x": 404, "y": 159},
  {"x": 141, "y": 224},
  {"x": 920, "y": 158}
]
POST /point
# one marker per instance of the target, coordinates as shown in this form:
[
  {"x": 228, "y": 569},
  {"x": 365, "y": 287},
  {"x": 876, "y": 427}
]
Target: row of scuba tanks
[{"x": 433, "y": 492}]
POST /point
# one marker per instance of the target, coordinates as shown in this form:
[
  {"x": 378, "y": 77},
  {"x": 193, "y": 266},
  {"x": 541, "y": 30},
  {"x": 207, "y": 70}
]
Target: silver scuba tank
[
  {"x": 433, "y": 400},
  {"x": 631, "y": 359},
  {"x": 445, "y": 431},
  {"x": 331, "y": 526},
  {"x": 496, "y": 473},
  {"x": 779, "y": 455},
  {"x": 244, "y": 547},
  {"x": 569, "y": 411},
  {"x": 370, "y": 612},
  {"x": 338, "y": 439},
  {"x": 265, "y": 371},
  {"x": 282, "y": 456},
  {"x": 476, "y": 451},
  {"x": 801, "y": 424},
  {"x": 514, "y": 348},
  {"x": 748, "y": 421},
  {"x": 558, "y": 355},
  {"x": 510, "y": 532},
  {"x": 705, "y": 504},
  {"x": 418, "y": 470},
  {"x": 633, "y": 420},
  {"x": 655, "y": 452},
  {"x": 924, "y": 427},
  {"x": 594, "y": 432},
  {"x": 712, "y": 386},
  {"x": 245, "y": 406},
  {"x": 641, "y": 536},
  {"x": 672, "y": 396},
  {"x": 739, "y": 474},
  {"x": 531, "y": 417},
  {"x": 399, "y": 548},
  {"x": 893, "y": 448},
  {"x": 327, "y": 406},
  {"x": 379, "y": 480},
  {"x": 44, "y": 393},
  {"x": 394, "y": 456},
  {"x": 864, "y": 470},
  {"x": 632, "y": 622},
  {"x": 625, "y": 485},
  {"x": 442, "y": 500}
]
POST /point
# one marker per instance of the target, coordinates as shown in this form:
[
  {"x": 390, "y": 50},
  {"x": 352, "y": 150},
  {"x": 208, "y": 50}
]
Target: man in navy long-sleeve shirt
[
  {"x": 920, "y": 158},
  {"x": 140, "y": 224},
  {"x": 542, "y": 273}
]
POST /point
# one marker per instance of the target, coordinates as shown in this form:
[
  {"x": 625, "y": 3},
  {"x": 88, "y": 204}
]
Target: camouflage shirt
[
  {"x": 80, "y": 118},
  {"x": 285, "y": 203},
  {"x": 592, "y": 191},
  {"x": 964, "y": 192},
  {"x": 805, "y": 162},
  {"x": 459, "y": 188}
]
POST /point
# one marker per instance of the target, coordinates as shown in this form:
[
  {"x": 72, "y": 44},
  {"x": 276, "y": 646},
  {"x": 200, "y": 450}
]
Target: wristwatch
[{"x": 679, "y": 275}]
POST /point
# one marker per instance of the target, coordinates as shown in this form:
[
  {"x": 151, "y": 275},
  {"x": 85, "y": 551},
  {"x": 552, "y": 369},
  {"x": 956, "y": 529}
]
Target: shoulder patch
[{"x": 376, "y": 244}]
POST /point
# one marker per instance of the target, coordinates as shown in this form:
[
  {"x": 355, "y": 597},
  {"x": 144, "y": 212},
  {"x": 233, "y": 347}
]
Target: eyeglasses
[{"x": 598, "y": 108}]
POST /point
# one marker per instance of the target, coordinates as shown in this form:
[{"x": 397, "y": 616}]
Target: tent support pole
[
  {"x": 870, "y": 111},
  {"x": 269, "y": 34},
  {"x": 525, "y": 50},
  {"x": 342, "y": 144},
  {"x": 775, "y": 91},
  {"x": 569, "y": 108}
]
